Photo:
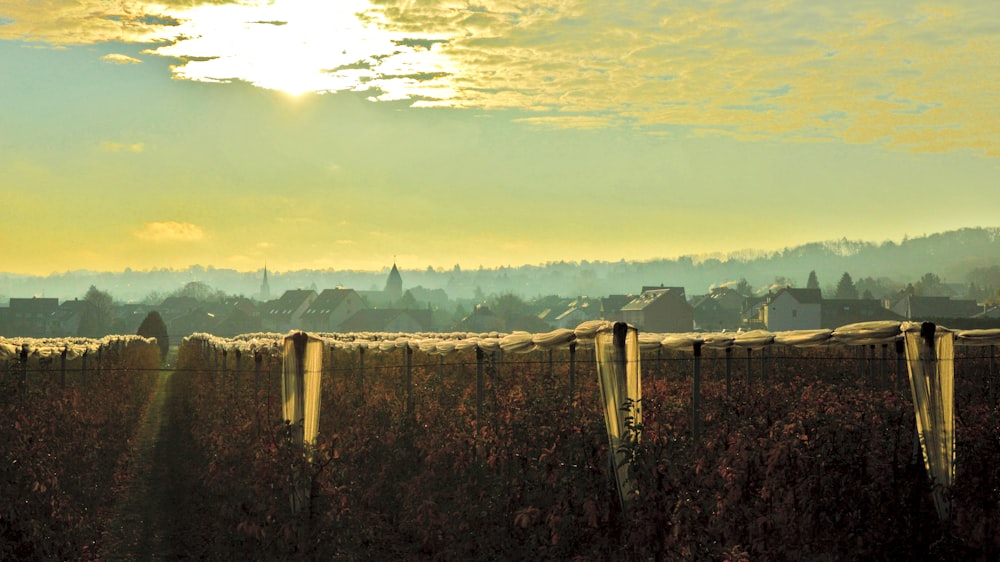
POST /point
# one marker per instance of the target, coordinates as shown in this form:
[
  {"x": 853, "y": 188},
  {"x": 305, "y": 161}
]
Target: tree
[
  {"x": 98, "y": 313},
  {"x": 930, "y": 285},
  {"x": 153, "y": 327},
  {"x": 813, "y": 282},
  {"x": 846, "y": 288},
  {"x": 200, "y": 292},
  {"x": 743, "y": 287},
  {"x": 509, "y": 307}
]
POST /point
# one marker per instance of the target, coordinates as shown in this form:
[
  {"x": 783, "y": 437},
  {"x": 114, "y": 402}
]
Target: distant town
[{"x": 666, "y": 308}]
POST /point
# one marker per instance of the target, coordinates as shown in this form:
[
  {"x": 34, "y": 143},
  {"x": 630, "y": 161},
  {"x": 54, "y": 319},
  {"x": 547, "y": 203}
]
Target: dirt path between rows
[{"x": 150, "y": 512}]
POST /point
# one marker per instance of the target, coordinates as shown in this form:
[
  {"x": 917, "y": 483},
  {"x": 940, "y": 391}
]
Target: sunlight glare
[{"x": 299, "y": 46}]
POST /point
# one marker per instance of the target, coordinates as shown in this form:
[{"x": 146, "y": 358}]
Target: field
[
  {"x": 815, "y": 462},
  {"x": 810, "y": 455}
]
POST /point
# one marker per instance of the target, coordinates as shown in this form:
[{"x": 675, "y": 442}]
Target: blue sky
[{"x": 349, "y": 134}]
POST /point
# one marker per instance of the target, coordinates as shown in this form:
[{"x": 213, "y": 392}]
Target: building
[
  {"x": 840, "y": 312},
  {"x": 912, "y": 307},
  {"x": 265, "y": 288},
  {"x": 31, "y": 318},
  {"x": 719, "y": 310},
  {"x": 285, "y": 314},
  {"x": 576, "y": 312},
  {"x": 388, "y": 297},
  {"x": 331, "y": 308},
  {"x": 794, "y": 309},
  {"x": 662, "y": 309}
]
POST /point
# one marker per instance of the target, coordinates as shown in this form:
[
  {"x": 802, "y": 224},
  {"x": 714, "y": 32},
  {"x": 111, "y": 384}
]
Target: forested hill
[{"x": 958, "y": 257}]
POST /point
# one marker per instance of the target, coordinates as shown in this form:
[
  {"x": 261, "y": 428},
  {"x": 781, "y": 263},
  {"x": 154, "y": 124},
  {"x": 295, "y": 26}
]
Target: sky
[{"x": 312, "y": 134}]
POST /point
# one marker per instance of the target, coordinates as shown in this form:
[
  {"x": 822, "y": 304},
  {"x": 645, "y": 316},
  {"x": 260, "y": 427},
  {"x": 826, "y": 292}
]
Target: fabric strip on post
[
  {"x": 931, "y": 360},
  {"x": 617, "y": 354}
]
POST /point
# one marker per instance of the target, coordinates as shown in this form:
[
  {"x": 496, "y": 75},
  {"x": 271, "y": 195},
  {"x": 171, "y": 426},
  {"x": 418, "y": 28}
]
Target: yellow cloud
[
  {"x": 902, "y": 75},
  {"x": 109, "y": 146},
  {"x": 120, "y": 59},
  {"x": 170, "y": 231}
]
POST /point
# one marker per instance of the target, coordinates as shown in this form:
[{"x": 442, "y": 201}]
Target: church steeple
[
  {"x": 265, "y": 289},
  {"x": 394, "y": 285}
]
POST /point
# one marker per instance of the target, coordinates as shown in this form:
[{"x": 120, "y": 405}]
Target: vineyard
[
  {"x": 752, "y": 446},
  {"x": 69, "y": 409}
]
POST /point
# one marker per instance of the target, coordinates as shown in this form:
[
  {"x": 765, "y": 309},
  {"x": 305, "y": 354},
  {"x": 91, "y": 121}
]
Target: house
[
  {"x": 482, "y": 319},
  {"x": 331, "y": 308},
  {"x": 912, "y": 307},
  {"x": 611, "y": 307},
  {"x": 31, "y": 318},
  {"x": 285, "y": 314},
  {"x": 66, "y": 320},
  {"x": 718, "y": 310},
  {"x": 794, "y": 309},
  {"x": 663, "y": 309},
  {"x": 388, "y": 320},
  {"x": 238, "y": 319},
  {"x": 840, "y": 312},
  {"x": 575, "y": 313}
]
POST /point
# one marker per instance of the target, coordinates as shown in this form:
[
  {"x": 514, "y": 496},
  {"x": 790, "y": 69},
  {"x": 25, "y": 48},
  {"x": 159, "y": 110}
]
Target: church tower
[
  {"x": 265, "y": 289},
  {"x": 394, "y": 285}
]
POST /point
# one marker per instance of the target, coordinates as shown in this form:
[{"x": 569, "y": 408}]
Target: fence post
[
  {"x": 883, "y": 382},
  {"x": 441, "y": 369},
  {"x": 480, "y": 383},
  {"x": 100, "y": 359},
  {"x": 572, "y": 372},
  {"x": 729, "y": 370},
  {"x": 24, "y": 369},
  {"x": 409, "y": 380},
  {"x": 236, "y": 370},
  {"x": 900, "y": 361},
  {"x": 696, "y": 394},
  {"x": 550, "y": 363},
  {"x": 361, "y": 375},
  {"x": 257, "y": 360},
  {"x": 749, "y": 366},
  {"x": 992, "y": 376},
  {"x": 62, "y": 367},
  {"x": 83, "y": 368},
  {"x": 225, "y": 362},
  {"x": 763, "y": 364}
]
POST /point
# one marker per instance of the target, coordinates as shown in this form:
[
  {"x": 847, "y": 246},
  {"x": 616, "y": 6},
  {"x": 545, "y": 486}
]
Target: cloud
[
  {"x": 170, "y": 231},
  {"x": 109, "y": 146},
  {"x": 906, "y": 76},
  {"x": 120, "y": 59}
]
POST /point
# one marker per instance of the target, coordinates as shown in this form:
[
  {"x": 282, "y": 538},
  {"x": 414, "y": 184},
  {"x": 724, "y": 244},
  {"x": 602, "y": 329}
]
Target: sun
[{"x": 295, "y": 46}]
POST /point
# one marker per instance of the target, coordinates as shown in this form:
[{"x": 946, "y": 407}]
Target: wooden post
[
  {"x": 992, "y": 376},
  {"x": 696, "y": 395},
  {"x": 883, "y": 382},
  {"x": 749, "y": 366},
  {"x": 480, "y": 387},
  {"x": 441, "y": 369},
  {"x": 763, "y": 364},
  {"x": 237, "y": 370},
  {"x": 83, "y": 368},
  {"x": 572, "y": 372},
  {"x": 361, "y": 375},
  {"x": 225, "y": 355},
  {"x": 900, "y": 363},
  {"x": 100, "y": 359},
  {"x": 257, "y": 360},
  {"x": 62, "y": 367},
  {"x": 24, "y": 369},
  {"x": 550, "y": 364},
  {"x": 408, "y": 380},
  {"x": 729, "y": 371}
]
